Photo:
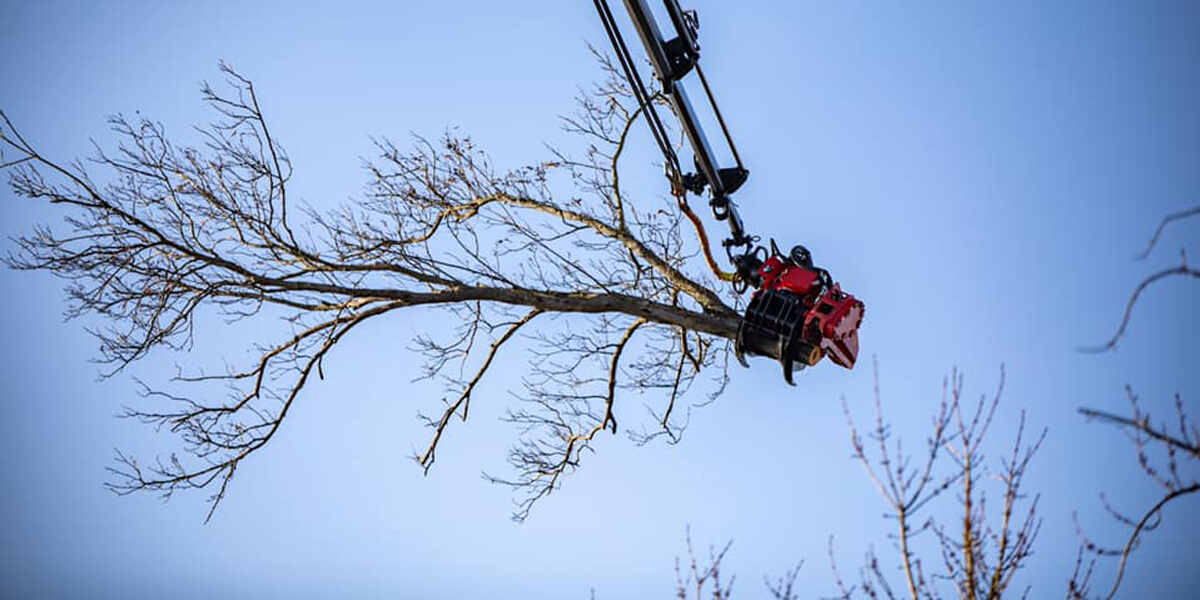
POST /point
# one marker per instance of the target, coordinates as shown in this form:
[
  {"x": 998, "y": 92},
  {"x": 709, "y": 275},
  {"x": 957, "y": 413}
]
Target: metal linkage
[
  {"x": 672, "y": 60},
  {"x": 657, "y": 129}
]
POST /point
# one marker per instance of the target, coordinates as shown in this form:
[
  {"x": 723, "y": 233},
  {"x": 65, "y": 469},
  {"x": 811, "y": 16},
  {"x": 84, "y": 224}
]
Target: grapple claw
[
  {"x": 788, "y": 368},
  {"x": 739, "y": 345},
  {"x": 797, "y": 317}
]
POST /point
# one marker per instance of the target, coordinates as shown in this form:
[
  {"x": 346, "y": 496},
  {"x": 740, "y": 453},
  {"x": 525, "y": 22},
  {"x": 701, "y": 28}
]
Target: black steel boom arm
[{"x": 672, "y": 59}]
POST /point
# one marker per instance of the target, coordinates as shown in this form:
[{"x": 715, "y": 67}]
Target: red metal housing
[{"x": 800, "y": 314}]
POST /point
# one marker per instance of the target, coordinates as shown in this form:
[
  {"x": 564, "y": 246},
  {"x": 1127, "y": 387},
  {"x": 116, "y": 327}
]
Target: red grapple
[{"x": 800, "y": 315}]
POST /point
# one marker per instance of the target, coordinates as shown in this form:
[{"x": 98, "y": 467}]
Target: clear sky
[{"x": 980, "y": 174}]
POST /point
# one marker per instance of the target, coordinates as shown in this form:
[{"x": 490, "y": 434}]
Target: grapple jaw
[
  {"x": 797, "y": 319},
  {"x": 774, "y": 326}
]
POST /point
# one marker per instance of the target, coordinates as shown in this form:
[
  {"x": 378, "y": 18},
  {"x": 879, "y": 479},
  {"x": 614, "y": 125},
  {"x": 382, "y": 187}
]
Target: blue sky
[{"x": 980, "y": 175}]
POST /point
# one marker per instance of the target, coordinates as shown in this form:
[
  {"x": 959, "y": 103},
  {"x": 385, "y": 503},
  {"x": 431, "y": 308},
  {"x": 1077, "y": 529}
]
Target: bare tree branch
[
  {"x": 464, "y": 399},
  {"x": 1185, "y": 443},
  {"x": 695, "y": 577},
  {"x": 980, "y": 560},
  {"x": 1137, "y": 531},
  {"x": 784, "y": 588},
  {"x": 169, "y": 237},
  {"x": 1182, "y": 270},
  {"x": 1178, "y": 216}
]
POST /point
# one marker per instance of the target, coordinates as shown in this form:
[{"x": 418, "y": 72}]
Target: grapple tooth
[
  {"x": 739, "y": 345},
  {"x": 788, "y": 365}
]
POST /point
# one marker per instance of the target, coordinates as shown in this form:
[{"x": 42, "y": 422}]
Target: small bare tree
[
  {"x": 698, "y": 578},
  {"x": 699, "y": 575},
  {"x": 980, "y": 551},
  {"x": 1168, "y": 450},
  {"x": 979, "y": 554},
  {"x": 610, "y": 291}
]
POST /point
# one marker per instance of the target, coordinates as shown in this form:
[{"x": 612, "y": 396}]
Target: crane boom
[
  {"x": 672, "y": 59},
  {"x": 797, "y": 314}
]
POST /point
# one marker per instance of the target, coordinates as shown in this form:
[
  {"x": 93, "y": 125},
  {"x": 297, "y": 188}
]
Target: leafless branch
[
  {"x": 1182, "y": 270},
  {"x": 690, "y": 580},
  {"x": 1184, "y": 443},
  {"x": 1079, "y": 585},
  {"x": 980, "y": 559},
  {"x": 554, "y": 258},
  {"x": 784, "y": 587},
  {"x": 1177, "y": 216}
]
